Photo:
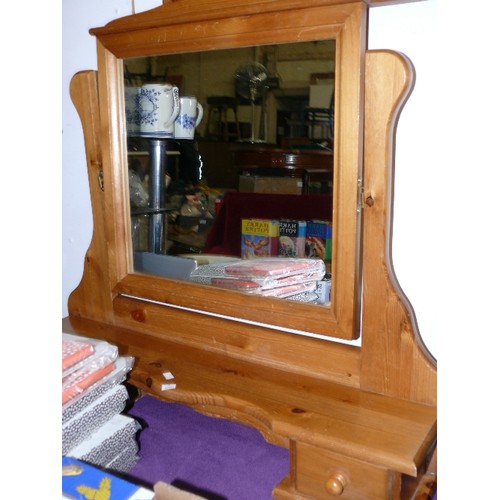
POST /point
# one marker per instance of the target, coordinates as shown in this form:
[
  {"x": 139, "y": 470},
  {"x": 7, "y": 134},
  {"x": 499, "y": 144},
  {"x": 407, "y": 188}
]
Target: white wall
[
  {"x": 79, "y": 53},
  {"x": 446, "y": 231},
  {"x": 445, "y": 247}
]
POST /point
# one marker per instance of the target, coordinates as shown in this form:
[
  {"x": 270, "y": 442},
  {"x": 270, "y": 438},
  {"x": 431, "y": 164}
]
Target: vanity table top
[{"x": 385, "y": 431}]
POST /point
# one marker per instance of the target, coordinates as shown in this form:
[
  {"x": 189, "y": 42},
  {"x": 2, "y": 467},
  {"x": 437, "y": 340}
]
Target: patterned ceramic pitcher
[
  {"x": 159, "y": 106},
  {"x": 189, "y": 117}
]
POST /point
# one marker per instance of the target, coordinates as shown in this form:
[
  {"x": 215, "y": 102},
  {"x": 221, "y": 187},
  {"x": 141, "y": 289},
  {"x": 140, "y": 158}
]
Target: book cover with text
[
  {"x": 292, "y": 239},
  {"x": 259, "y": 238},
  {"x": 81, "y": 481},
  {"x": 319, "y": 239}
]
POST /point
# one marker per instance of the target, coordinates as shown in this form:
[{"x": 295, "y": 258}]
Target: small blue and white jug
[{"x": 189, "y": 117}]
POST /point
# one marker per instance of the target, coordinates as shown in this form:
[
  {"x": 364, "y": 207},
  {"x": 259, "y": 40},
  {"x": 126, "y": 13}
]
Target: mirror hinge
[
  {"x": 361, "y": 196},
  {"x": 100, "y": 180},
  {"x": 100, "y": 176}
]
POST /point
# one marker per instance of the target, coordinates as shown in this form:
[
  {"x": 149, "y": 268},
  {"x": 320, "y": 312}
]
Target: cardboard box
[{"x": 268, "y": 184}]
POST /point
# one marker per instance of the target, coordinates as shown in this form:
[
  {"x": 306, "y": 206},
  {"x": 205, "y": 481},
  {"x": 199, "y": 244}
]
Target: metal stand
[
  {"x": 157, "y": 221},
  {"x": 160, "y": 150}
]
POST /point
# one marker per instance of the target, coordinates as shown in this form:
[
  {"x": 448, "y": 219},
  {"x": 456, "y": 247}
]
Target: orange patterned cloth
[
  {"x": 74, "y": 351},
  {"x": 84, "y": 362},
  {"x": 83, "y": 379}
]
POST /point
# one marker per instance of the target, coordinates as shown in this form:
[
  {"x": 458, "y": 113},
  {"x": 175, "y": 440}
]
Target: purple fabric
[{"x": 213, "y": 457}]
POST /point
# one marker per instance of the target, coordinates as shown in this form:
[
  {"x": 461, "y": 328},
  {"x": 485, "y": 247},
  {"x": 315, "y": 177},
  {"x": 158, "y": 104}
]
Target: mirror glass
[{"x": 229, "y": 157}]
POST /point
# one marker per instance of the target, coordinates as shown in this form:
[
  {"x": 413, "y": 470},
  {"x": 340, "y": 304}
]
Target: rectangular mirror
[
  {"x": 161, "y": 235},
  {"x": 254, "y": 127}
]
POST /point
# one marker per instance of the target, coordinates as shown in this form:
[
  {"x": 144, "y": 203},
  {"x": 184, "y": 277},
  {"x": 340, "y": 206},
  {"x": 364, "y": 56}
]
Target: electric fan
[{"x": 250, "y": 80}]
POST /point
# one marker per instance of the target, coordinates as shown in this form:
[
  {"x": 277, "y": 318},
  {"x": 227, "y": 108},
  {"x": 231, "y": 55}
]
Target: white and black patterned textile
[
  {"x": 125, "y": 461},
  {"x": 75, "y": 406},
  {"x": 108, "y": 442},
  {"x": 85, "y": 423}
]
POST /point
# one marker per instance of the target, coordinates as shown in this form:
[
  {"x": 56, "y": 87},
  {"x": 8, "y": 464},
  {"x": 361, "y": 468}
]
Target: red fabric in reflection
[{"x": 224, "y": 237}]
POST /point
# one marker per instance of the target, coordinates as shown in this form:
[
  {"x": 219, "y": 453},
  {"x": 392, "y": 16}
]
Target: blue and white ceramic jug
[
  {"x": 159, "y": 106},
  {"x": 189, "y": 118}
]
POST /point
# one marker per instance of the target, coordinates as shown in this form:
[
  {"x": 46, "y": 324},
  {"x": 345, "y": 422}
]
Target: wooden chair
[{"x": 218, "y": 126}]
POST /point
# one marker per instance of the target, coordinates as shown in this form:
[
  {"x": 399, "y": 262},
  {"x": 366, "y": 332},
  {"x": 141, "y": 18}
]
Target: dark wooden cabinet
[
  {"x": 314, "y": 168},
  {"x": 224, "y": 163},
  {"x": 218, "y": 168}
]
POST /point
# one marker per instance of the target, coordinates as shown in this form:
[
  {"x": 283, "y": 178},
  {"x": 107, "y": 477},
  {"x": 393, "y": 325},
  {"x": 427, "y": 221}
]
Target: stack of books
[
  {"x": 288, "y": 238},
  {"x": 94, "y": 429}
]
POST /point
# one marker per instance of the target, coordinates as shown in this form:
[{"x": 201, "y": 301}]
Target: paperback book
[
  {"x": 81, "y": 481},
  {"x": 292, "y": 240},
  {"x": 259, "y": 238},
  {"x": 319, "y": 240}
]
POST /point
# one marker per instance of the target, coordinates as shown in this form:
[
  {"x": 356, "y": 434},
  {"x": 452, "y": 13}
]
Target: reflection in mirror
[{"x": 230, "y": 157}]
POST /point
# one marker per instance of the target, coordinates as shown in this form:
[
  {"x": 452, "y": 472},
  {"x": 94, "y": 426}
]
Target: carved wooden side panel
[
  {"x": 92, "y": 298},
  {"x": 394, "y": 361}
]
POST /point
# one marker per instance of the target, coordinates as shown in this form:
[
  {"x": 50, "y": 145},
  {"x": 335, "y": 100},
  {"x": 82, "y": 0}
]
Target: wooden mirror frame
[
  {"x": 173, "y": 28},
  {"x": 110, "y": 296}
]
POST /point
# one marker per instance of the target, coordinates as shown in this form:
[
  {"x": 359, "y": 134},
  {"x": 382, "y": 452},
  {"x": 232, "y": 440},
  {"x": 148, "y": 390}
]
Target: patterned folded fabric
[
  {"x": 84, "y": 378},
  {"x": 74, "y": 351},
  {"x": 125, "y": 461},
  {"x": 83, "y": 424},
  {"x": 77, "y": 404},
  {"x": 108, "y": 441}
]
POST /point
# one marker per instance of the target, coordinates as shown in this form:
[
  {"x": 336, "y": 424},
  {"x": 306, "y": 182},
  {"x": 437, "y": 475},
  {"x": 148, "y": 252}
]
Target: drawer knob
[{"x": 336, "y": 484}]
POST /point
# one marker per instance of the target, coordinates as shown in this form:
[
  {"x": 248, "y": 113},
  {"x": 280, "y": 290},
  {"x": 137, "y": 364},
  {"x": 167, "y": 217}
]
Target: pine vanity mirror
[
  {"x": 359, "y": 419},
  {"x": 183, "y": 33}
]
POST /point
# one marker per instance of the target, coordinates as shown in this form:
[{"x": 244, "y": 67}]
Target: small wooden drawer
[{"x": 322, "y": 474}]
